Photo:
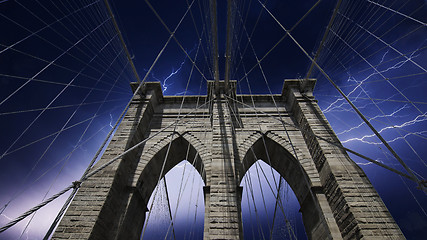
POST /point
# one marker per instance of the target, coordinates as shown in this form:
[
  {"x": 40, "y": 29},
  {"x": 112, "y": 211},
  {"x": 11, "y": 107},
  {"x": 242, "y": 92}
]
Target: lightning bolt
[
  {"x": 174, "y": 72},
  {"x": 5, "y": 216},
  {"x": 339, "y": 105},
  {"x": 398, "y": 65},
  {"x": 393, "y": 114},
  {"x": 111, "y": 121},
  {"x": 418, "y": 119},
  {"x": 164, "y": 83}
]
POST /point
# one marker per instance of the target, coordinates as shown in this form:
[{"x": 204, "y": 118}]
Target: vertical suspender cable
[
  {"x": 214, "y": 37},
  {"x": 229, "y": 41}
]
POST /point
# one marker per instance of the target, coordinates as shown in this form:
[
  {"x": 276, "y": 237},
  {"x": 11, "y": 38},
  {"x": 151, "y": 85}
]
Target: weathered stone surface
[{"x": 222, "y": 140}]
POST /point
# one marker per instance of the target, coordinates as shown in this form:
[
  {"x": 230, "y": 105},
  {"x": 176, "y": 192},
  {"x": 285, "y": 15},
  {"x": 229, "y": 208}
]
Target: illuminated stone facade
[{"x": 222, "y": 139}]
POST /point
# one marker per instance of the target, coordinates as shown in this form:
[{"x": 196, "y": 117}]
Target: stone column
[
  {"x": 99, "y": 206},
  {"x": 222, "y": 195},
  {"x": 357, "y": 208}
]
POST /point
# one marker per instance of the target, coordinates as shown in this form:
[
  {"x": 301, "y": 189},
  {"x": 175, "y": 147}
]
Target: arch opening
[
  {"x": 270, "y": 209},
  {"x": 180, "y": 162},
  {"x": 178, "y": 196},
  {"x": 306, "y": 187},
  {"x": 154, "y": 166}
]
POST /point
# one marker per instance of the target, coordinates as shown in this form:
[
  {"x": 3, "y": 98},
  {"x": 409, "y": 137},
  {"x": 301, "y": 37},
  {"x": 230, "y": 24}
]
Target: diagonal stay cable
[
  {"x": 60, "y": 107},
  {"x": 65, "y": 125},
  {"x": 51, "y": 62},
  {"x": 382, "y": 35},
  {"x": 54, "y": 83},
  {"x": 50, "y": 25},
  {"x": 45, "y": 137},
  {"x": 278, "y": 42},
  {"x": 378, "y": 72},
  {"x": 382, "y": 41},
  {"x": 375, "y": 99},
  {"x": 51, "y": 102},
  {"x": 174, "y": 37},
  {"x": 337, "y": 144},
  {"x": 53, "y": 44},
  {"x": 65, "y": 158},
  {"x": 116, "y": 27},
  {"x": 52, "y": 134},
  {"x": 389, "y": 29},
  {"x": 413, "y": 177},
  {"x": 188, "y": 149},
  {"x": 55, "y": 222},
  {"x": 76, "y": 184},
  {"x": 401, "y": 14},
  {"x": 41, "y": 29},
  {"x": 325, "y": 35},
  {"x": 86, "y": 174}
]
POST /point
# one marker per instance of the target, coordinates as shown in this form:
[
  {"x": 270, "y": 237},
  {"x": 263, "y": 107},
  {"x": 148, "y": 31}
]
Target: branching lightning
[
  {"x": 339, "y": 105},
  {"x": 5, "y": 216},
  {"x": 111, "y": 121},
  {"x": 418, "y": 119},
  {"x": 174, "y": 72},
  {"x": 398, "y": 65},
  {"x": 393, "y": 114},
  {"x": 164, "y": 82}
]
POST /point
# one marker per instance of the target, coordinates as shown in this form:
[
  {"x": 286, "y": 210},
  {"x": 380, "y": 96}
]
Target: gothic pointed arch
[
  {"x": 276, "y": 152},
  {"x": 163, "y": 153},
  {"x": 169, "y": 151}
]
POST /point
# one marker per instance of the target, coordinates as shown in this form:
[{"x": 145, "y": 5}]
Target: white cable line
[
  {"x": 95, "y": 171},
  {"x": 172, "y": 34},
  {"x": 58, "y": 134},
  {"x": 53, "y": 64},
  {"x": 334, "y": 143},
  {"x": 378, "y": 72},
  {"x": 345, "y": 54},
  {"x": 53, "y": 225},
  {"x": 353, "y": 106},
  {"x": 50, "y": 135},
  {"x": 56, "y": 31},
  {"x": 50, "y": 63},
  {"x": 401, "y": 14},
  {"x": 59, "y": 107},
  {"x": 65, "y": 158},
  {"x": 54, "y": 45},
  {"x": 50, "y": 103},
  {"x": 41, "y": 29},
  {"x": 278, "y": 42}
]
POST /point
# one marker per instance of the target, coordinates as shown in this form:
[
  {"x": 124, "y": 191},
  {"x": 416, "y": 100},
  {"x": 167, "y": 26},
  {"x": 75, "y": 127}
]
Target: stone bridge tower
[{"x": 222, "y": 140}]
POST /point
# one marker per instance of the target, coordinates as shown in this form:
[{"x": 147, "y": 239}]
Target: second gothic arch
[{"x": 276, "y": 154}]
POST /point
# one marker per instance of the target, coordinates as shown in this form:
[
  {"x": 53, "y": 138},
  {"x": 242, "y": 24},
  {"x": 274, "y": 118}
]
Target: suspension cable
[{"x": 413, "y": 177}]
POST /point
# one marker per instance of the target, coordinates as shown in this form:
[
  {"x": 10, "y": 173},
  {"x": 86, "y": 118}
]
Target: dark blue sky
[{"x": 64, "y": 80}]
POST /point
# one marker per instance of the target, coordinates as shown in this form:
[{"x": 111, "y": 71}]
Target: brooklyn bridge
[{"x": 206, "y": 119}]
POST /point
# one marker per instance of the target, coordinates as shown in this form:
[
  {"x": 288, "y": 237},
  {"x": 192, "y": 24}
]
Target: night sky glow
[{"x": 64, "y": 81}]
